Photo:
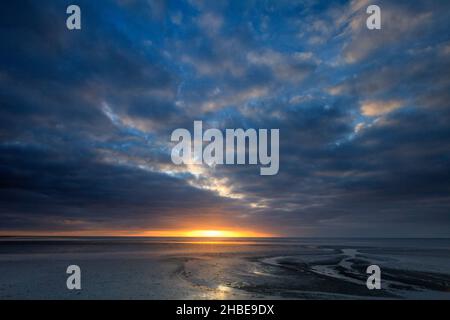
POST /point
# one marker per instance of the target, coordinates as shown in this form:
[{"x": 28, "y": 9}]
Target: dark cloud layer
[{"x": 86, "y": 116}]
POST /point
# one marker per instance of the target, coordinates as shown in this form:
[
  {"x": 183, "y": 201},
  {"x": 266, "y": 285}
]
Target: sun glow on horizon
[
  {"x": 196, "y": 233},
  {"x": 208, "y": 233},
  {"x": 215, "y": 234}
]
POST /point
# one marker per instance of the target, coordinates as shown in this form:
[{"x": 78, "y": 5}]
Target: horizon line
[{"x": 234, "y": 237}]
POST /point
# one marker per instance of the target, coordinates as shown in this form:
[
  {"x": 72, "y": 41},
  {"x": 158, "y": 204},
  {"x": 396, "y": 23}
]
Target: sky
[{"x": 364, "y": 117}]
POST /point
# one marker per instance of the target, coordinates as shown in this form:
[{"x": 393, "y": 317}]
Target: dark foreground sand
[{"x": 114, "y": 268}]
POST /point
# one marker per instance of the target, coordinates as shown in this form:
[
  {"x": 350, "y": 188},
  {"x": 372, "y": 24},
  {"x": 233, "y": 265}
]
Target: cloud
[
  {"x": 378, "y": 108},
  {"x": 210, "y": 23},
  {"x": 398, "y": 27},
  {"x": 293, "y": 67},
  {"x": 85, "y": 118}
]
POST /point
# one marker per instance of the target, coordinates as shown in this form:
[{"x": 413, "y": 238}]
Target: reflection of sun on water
[{"x": 222, "y": 292}]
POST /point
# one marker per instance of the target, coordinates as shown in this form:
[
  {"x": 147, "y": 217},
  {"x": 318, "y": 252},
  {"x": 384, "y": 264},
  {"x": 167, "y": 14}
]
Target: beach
[{"x": 188, "y": 268}]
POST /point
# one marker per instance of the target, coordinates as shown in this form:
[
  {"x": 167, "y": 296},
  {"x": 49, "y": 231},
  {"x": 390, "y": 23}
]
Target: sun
[
  {"x": 209, "y": 233},
  {"x": 214, "y": 234}
]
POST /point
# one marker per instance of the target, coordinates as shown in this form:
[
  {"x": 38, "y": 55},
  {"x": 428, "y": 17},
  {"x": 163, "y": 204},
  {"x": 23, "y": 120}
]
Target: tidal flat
[{"x": 243, "y": 268}]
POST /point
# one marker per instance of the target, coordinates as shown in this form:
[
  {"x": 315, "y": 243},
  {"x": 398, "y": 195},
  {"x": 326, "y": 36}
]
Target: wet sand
[{"x": 142, "y": 268}]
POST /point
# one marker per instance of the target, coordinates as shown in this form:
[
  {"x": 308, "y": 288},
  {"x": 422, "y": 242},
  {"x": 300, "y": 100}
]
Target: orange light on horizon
[
  {"x": 207, "y": 233},
  {"x": 200, "y": 233},
  {"x": 216, "y": 234}
]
